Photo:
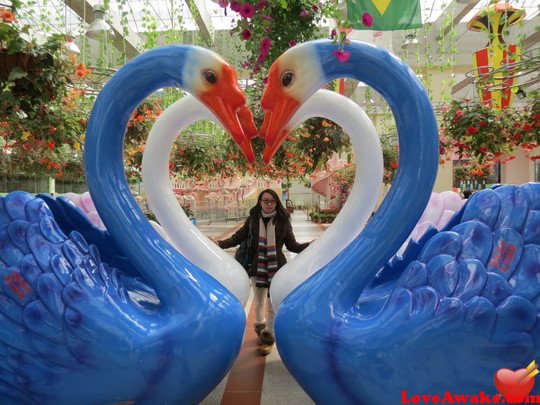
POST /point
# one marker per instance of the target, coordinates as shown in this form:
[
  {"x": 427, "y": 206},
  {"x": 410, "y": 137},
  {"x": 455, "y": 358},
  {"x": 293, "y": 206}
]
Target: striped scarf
[{"x": 267, "y": 258}]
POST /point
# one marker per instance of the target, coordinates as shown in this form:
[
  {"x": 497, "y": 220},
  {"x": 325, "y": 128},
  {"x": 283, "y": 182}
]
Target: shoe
[
  {"x": 265, "y": 350},
  {"x": 258, "y": 328},
  {"x": 267, "y": 342}
]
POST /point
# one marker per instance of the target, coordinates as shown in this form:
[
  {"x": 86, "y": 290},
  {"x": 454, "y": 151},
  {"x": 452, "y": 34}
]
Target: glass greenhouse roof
[{"x": 161, "y": 15}]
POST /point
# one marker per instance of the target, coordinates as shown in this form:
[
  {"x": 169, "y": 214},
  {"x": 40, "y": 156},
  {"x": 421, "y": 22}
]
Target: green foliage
[
  {"x": 271, "y": 29},
  {"x": 390, "y": 149},
  {"x": 344, "y": 179},
  {"x": 320, "y": 138},
  {"x": 479, "y": 131},
  {"x": 41, "y": 122}
]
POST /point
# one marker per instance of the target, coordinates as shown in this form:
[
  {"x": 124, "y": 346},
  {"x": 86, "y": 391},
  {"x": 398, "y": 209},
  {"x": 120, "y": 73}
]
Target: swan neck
[
  {"x": 348, "y": 274},
  {"x": 156, "y": 260}
]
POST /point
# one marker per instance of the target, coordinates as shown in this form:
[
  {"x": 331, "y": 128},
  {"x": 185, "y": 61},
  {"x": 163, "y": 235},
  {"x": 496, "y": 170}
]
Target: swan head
[
  {"x": 293, "y": 78},
  {"x": 214, "y": 82}
]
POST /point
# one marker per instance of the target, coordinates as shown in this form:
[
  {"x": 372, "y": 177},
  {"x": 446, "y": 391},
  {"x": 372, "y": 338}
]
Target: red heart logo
[{"x": 514, "y": 385}]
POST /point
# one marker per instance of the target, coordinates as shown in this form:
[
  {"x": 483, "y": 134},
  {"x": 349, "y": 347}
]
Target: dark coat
[{"x": 284, "y": 236}]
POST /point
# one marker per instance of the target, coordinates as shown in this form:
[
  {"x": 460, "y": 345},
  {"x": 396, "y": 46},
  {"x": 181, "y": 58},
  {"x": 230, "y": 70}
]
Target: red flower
[
  {"x": 6, "y": 15},
  {"x": 247, "y": 10},
  {"x": 51, "y": 145},
  {"x": 265, "y": 46},
  {"x": 482, "y": 123},
  {"x": 460, "y": 113},
  {"x": 367, "y": 19},
  {"x": 261, "y": 4},
  {"x": 342, "y": 55},
  {"x": 246, "y": 34},
  {"x": 472, "y": 130},
  {"x": 527, "y": 126}
]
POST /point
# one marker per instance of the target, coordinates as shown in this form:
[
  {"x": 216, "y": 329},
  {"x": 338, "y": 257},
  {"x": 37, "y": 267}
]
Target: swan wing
[
  {"x": 470, "y": 300},
  {"x": 70, "y": 217},
  {"x": 60, "y": 306}
]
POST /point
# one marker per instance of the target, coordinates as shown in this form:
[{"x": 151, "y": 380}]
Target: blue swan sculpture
[
  {"x": 465, "y": 308},
  {"x": 69, "y": 331}
]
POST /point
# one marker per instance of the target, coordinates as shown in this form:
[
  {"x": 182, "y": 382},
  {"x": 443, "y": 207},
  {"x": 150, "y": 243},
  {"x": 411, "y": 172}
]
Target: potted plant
[
  {"x": 473, "y": 129},
  {"x": 526, "y": 128},
  {"x": 42, "y": 121}
]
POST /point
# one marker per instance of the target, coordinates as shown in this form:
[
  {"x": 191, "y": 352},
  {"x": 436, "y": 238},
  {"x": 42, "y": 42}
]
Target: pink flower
[
  {"x": 246, "y": 34},
  {"x": 261, "y": 4},
  {"x": 247, "y": 10},
  {"x": 223, "y": 3},
  {"x": 292, "y": 43},
  {"x": 367, "y": 19},
  {"x": 256, "y": 69},
  {"x": 261, "y": 57},
  {"x": 333, "y": 34},
  {"x": 235, "y": 6},
  {"x": 265, "y": 45},
  {"x": 304, "y": 13},
  {"x": 315, "y": 8},
  {"x": 265, "y": 80},
  {"x": 267, "y": 29},
  {"x": 266, "y": 17},
  {"x": 342, "y": 55}
]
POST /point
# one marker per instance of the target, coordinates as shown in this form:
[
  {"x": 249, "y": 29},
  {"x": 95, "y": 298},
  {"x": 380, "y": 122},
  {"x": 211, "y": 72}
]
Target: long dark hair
[{"x": 280, "y": 209}]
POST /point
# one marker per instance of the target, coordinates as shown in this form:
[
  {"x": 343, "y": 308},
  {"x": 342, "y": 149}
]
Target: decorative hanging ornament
[{"x": 495, "y": 64}]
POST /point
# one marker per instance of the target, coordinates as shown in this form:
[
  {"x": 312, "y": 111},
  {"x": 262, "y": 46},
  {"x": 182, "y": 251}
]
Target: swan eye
[
  {"x": 287, "y": 79},
  {"x": 210, "y": 77}
]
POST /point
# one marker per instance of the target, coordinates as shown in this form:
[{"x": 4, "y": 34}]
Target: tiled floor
[{"x": 254, "y": 379}]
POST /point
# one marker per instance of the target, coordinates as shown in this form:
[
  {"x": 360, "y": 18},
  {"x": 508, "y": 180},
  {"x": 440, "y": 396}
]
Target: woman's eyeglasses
[{"x": 269, "y": 202}]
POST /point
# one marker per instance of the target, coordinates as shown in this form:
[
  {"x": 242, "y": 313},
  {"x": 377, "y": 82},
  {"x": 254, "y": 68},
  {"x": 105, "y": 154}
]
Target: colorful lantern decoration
[{"x": 495, "y": 64}]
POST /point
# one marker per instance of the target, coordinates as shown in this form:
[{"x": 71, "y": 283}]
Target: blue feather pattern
[
  {"x": 47, "y": 279},
  {"x": 479, "y": 278},
  {"x": 459, "y": 305}
]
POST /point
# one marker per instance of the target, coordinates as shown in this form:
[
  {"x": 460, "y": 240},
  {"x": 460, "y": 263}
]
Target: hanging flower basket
[{"x": 476, "y": 130}]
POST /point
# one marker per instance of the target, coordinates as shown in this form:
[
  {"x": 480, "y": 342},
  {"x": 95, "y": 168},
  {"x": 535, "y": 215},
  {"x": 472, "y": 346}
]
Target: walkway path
[{"x": 255, "y": 379}]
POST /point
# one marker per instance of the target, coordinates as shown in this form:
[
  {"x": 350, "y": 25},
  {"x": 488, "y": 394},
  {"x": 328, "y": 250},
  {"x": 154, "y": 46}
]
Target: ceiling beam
[
  {"x": 131, "y": 42},
  {"x": 458, "y": 10},
  {"x": 202, "y": 18},
  {"x": 532, "y": 39}
]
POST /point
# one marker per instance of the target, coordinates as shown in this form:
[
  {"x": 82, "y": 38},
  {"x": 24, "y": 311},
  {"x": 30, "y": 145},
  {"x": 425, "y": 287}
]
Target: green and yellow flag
[{"x": 386, "y": 15}]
